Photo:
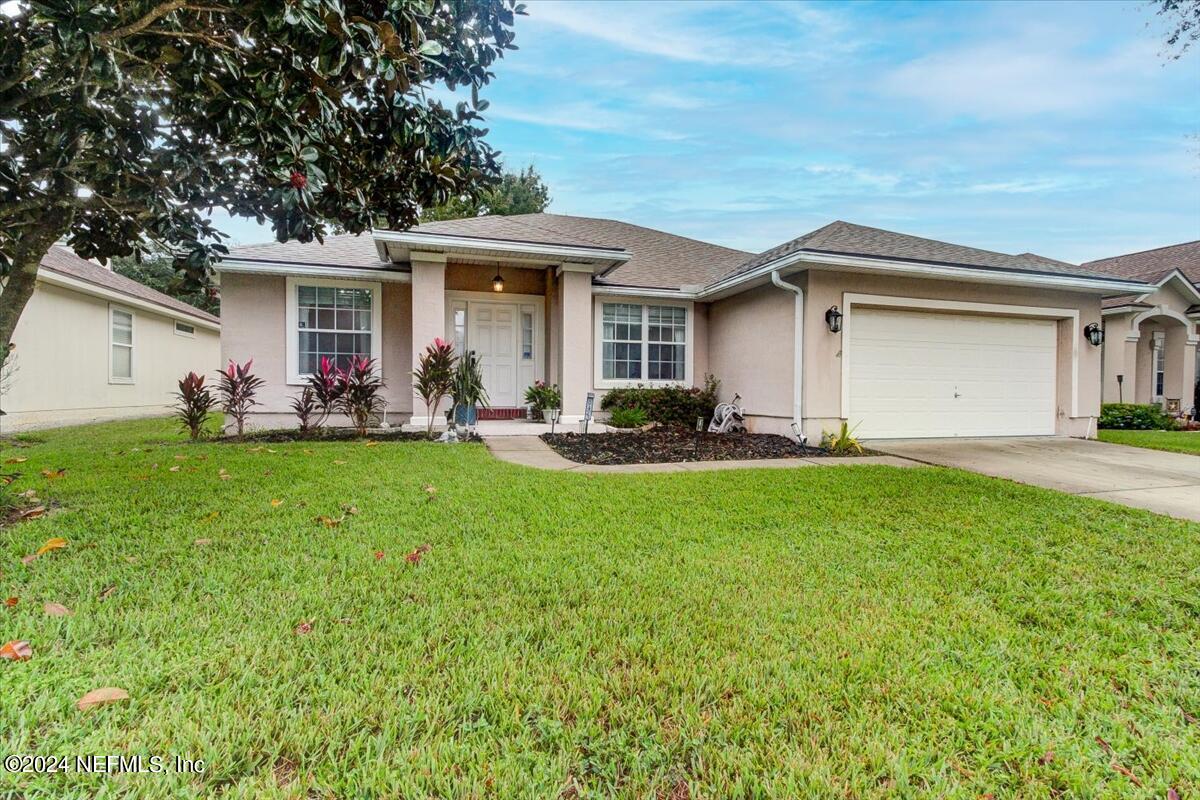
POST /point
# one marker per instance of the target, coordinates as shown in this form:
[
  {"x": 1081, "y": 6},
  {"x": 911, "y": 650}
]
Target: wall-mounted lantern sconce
[
  {"x": 1094, "y": 334},
  {"x": 833, "y": 318},
  {"x": 498, "y": 282}
]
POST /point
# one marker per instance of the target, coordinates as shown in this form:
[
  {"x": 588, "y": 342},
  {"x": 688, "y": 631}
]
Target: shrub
[
  {"x": 195, "y": 403},
  {"x": 306, "y": 408},
  {"x": 466, "y": 387},
  {"x": 627, "y": 418},
  {"x": 541, "y": 396},
  {"x": 667, "y": 405},
  {"x": 842, "y": 441},
  {"x": 359, "y": 396},
  {"x": 326, "y": 386},
  {"x": 237, "y": 387},
  {"x": 1134, "y": 417},
  {"x": 433, "y": 377}
]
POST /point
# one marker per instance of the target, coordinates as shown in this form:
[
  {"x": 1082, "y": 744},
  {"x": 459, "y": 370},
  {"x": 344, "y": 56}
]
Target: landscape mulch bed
[
  {"x": 335, "y": 435},
  {"x": 668, "y": 445}
]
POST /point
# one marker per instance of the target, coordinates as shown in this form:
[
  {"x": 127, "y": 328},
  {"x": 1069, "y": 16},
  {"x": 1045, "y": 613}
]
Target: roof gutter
[
  {"x": 428, "y": 241},
  {"x": 249, "y": 267},
  {"x": 925, "y": 270},
  {"x": 798, "y": 365},
  {"x": 48, "y": 275}
]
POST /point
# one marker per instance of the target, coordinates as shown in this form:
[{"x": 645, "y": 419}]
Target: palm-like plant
[
  {"x": 359, "y": 399},
  {"x": 842, "y": 441},
  {"x": 195, "y": 402},
  {"x": 433, "y": 377},
  {"x": 237, "y": 387},
  {"x": 467, "y": 390}
]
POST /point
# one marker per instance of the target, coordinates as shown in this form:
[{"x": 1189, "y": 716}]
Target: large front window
[
  {"x": 332, "y": 319},
  {"x": 643, "y": 342}
]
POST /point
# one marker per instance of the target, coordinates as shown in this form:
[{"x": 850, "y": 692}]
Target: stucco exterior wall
[
  {"x": 823, "y": 349},
  {"x": 61, "y": 374},
  {"x": 1127, "y": 348},
  {"x": 255, "y": 326},
  {"x": 751, "y": 350}
]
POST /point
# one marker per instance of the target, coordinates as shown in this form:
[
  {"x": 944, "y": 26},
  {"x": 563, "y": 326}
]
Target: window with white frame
[
  {"x": 120, "y": 340},
  {"x": 643, "y": 342},
  {"x": 183, "y": 329},
  {"x": 1160, "y": 365},
  {"x": 526, "y": 335},
  {"x": 331, "y": 319}
]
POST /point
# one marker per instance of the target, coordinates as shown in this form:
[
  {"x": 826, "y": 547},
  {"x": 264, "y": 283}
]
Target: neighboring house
[
  {"x": 1151, "y": 336},
  {"x": 902, "y": 336},
  {"x": 94, "y": 345}
]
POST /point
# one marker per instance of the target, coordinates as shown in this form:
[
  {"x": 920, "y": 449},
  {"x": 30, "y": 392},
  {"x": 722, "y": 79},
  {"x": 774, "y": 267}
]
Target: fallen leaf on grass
[
  {"x": 29, "y": 494},
  {"x": 371, "y": 443},
  {"x": 304, "y": 628},
  {"x": 174, "y": 468},
  {"x": 415, "y": 556},
  {"x": 276, "y": 503},
  {"x": 180, "y": 457},
  {"x": 1046, "y": 758},
  {"x": 57, "y": 543},
  {"x": 55, "y": 474},
  {"x": 1104, "y": 745},
  {"x": 131, "y": 559},
  {"x": 32, "y": 513},
  {"x": 349, "y": 509},
  {"x": 12, "y": 601},
  {"x": 210, "y": 516},
  {"x": 430, "y": 490},
  {"x": 285, "y": 772},
  {"x": 16, "y": 651},
  {"x": 202, "y": 542},
  {"x": 223, "y": 475},
  {"x": 57, "y": 610},
  {"x": 101, "y": 697},
  {"x": 338, "y": 461},
  {"x": 8, "y": 477},
  {"x": 16, "y": 460},
  {"x": 29, "y": 559},
  {"x": 106, "y": 592},
  {"x": 379, "y": 555},
  {"x": 1125, "y": 771},
  {"x": 329, "y": 522},
  {"x": 1192, "y": 718},
  {"x": 1172, "y": 794},
  {"x": 344, "y": 620}
]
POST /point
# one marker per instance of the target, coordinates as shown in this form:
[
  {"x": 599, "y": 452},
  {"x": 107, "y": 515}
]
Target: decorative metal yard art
[{"x": 728, "y": 417}]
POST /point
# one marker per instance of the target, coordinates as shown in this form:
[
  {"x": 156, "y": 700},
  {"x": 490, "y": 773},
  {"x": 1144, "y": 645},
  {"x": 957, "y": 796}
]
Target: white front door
[
  {"x": 492, "y": 334},
  {"x": 922, "y": 374}
]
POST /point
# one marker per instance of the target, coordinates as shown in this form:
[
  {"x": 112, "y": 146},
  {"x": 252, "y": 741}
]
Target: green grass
[
  {"x": 1173, "y": 441},
  {"x": 851, "y": 631}
]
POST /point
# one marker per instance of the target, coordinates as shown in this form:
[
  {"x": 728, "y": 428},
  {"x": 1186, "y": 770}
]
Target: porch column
[
  {"x": 575, "y": 340},
  {"x": 428, "y": 315}
]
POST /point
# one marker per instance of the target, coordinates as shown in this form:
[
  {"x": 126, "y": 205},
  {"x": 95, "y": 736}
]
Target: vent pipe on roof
[{"x": 798, "y": 366}]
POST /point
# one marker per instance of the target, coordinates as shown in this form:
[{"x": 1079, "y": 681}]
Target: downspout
[{"x": 798, "y": 369}]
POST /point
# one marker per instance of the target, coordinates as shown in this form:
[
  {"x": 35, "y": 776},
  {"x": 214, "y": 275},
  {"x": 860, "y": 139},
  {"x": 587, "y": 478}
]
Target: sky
[{"x": 1057, "y": 128}]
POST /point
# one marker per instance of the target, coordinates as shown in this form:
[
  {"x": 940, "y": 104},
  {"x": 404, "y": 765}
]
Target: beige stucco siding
[
  {"x": 254, "y": 311},
  {"x": 61, "y": 369},
  {"x": 1127, "y": 348},
  {"x": 751, "y": 350}
]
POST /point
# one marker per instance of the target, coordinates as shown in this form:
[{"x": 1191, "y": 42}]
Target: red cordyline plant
[
  {"x": 195, "y": 403},
  {"x": 326, "y": 386},
  {"x": 359, "y": 397},
  {"x": 237, "y": 387},
  {"x": 306, "y": 408},
  {"x": 433, "y": 377}
]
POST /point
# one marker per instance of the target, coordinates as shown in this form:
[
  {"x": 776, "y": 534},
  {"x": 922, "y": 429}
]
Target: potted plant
[
  {"x": 466, "y": 390},
  {"x": 541, "y": 396}
]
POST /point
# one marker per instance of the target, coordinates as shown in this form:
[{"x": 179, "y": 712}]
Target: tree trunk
[{"x": 18, "y": 287}]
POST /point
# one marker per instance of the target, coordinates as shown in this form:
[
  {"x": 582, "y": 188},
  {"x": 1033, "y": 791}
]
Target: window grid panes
[
  {"x": 1160, "y": 367},
  {"x": 122, "y": 344},
  {"x": 622, "y": 341},
  {"x": 335, "y": 323},
  {"x": 526, "y": 335},
  {"x": 666, "y": 335}
]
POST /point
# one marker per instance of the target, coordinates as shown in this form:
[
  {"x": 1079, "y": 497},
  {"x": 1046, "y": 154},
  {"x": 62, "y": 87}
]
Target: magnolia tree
[{"x": 123, "y": 125}]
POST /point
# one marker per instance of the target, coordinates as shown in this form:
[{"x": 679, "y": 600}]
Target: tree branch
[{"x": 137, "y": 26}]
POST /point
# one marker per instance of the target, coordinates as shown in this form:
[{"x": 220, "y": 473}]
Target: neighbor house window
[
  {"x": 183, "y": 329},
  {"x": 643, "y": 342},
  {"x": 330, "y": 319},
  {"x": 120, "y": 345}
]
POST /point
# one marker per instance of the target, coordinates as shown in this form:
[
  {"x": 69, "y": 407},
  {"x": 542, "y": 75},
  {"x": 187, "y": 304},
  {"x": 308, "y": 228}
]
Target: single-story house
[
  {"x": 93, "y": 345},
  {"x": 1151, "y": 336},
  {"x": 901, "y": 336}
]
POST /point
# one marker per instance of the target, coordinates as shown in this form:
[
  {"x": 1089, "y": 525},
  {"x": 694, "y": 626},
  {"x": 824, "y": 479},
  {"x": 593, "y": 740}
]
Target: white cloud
[
  {"x": 583, "y": 116},
  {"x": 1024, "y": 77}
]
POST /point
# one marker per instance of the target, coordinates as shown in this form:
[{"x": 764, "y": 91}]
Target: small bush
[
  {"x": 433, "y": 378},
  {"x": 195, "y": 403},
  {"x": 327, "y": 386},
  {"x": 667, "y": 405},
  {"x": 542, "y": 396},
  {"x": 842, "y": 442},
  {"x": 627, "y": 418},
  {"x": 306, "y": 409},
  {"x": 359, "y": 399},
  {"x": 1135, "y": 417},
  {"x": 237, "y": 387}
]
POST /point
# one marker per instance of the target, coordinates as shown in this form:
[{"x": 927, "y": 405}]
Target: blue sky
[{"x": 1053, "y": 127}]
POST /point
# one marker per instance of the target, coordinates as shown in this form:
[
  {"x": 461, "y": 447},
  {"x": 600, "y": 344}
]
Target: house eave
[
  {"x": 602, "y": 259},
  {"x": 49, "y": 276},
  {"x": 251, "y": 267},
  {"x": 808, "y": 259}
]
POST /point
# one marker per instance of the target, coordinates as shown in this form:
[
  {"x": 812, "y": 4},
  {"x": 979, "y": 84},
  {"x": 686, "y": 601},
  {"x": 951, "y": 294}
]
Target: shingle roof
[
  {"x": 64, "y": 262},
  {"x": 1154, "y": 265},
  {"x": 657, "y": 259},
  {"x": 845, "y": 238},
  {"x": 341, "y": 250}
]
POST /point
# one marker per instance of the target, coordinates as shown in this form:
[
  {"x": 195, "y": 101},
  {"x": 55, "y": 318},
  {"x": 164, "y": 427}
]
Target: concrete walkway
[
  {"x": 530, "y": 451},
  {"x": 1167, "y": 483}
]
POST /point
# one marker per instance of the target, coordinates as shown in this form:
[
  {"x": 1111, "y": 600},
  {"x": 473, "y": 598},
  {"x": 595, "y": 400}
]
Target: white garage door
[{"x": 919, "y": 374}]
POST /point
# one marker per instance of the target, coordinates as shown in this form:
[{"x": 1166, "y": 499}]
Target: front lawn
[
  {"x": 1174, "y": 441},
  {"x": 817, "y": 632}
]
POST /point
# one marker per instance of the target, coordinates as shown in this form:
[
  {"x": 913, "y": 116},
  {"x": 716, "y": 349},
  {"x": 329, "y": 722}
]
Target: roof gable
[{"x": 1154, "y": 265}]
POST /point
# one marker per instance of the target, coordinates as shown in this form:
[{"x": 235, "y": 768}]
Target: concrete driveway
[{"x": 1167, "y": 483}]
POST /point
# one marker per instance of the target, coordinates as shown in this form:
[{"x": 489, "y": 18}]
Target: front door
[{"x": 493, "y": 337}]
